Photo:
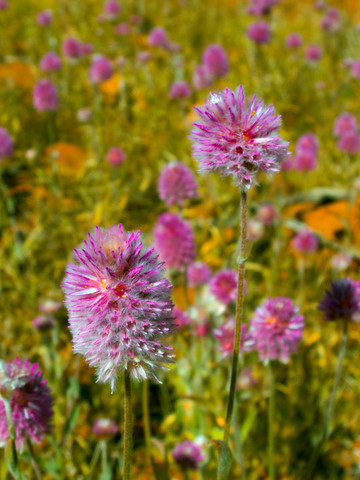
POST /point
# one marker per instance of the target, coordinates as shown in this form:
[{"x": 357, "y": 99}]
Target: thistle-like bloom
[
  {"x": 6, "y": 144},
  {"x": 112, "y": 9},
  {"x": 180, "y": 90},
  {"x": 174, "y": 240},
  {"x": 71, "y": 48},
  {"x": 176, "y": 183},
  {"x": 344, "y": 123},
  {"x": 119, "y": 305},
  {"x": 259, "y": 32},
  {"x": 187, "y": 455},
  {"x": 237, "y": 140},
  {"x": 198, "y": 273},
  {"x": 224, "y": 286},
  {"x": 158, "y": 38},
  {"x": 293, "y": 40},
  {"x": 100, "y": 70},
  {"x": 313, "y": 53},
  {"x": 349, "y": 142},
  {"x": 30, "y": 402},
  {"x": 305, "y": 242},
  {"x": 50, "y": 62},
  {"x": 215, "y": 60},
  {"x": 45, "y": 97},
  {"x": 341, "y": 301},
  {"x": 275, "y": 329},
  {"x": 104, "y": 428},
  {"x": 308, "y": 142}
]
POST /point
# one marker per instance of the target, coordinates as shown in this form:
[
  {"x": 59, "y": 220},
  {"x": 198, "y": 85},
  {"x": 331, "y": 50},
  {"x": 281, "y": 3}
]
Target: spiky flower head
[
  {"x": 223, "y": 286},
  {"x": 341, "y": 301},
  {"x": 237, "y": 140},
  {"x": 23, "y": 385},
  {"x": 176, "y": 183},
  {"x": 174, "y": 240},
  {"x": 275, "y": 329},
  {"x": 305, "y": 241},
  {"x": 119, "y": 305},
  {"x": 187, "y": 455}
]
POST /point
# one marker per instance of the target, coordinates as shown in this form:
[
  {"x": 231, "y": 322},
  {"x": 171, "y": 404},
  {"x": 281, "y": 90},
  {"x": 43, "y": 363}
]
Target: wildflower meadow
[{"x": 179, "y": 239}]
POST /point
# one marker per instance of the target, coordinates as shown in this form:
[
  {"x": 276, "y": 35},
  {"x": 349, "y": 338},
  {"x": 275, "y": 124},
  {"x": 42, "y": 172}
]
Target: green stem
[
  {"x": 271, "y": 419},
  {"x": 239, "y": 313},
  {"x": 33, "y": 459},
  {"x": 103, "y": 456},
  {"x": 147, "y": 427},
  {"x": 128, "y": 427}
]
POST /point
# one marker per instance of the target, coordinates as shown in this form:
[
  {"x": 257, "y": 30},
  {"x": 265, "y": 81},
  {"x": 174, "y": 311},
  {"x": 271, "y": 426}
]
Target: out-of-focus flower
[
  {"x": 6, "y": 144},
  {"x": 144, "y": 56},
  {"x": 319, "y": 4},
  {"x": 305, "y": 161},
  {"x": 332, "y": 20},
  {"x": 119, "y": 305},
  {"x": 174, "y": 240},
  {"x": 84, "y": 114},
  {"x": 237, "y": 140},
  {"x": 100, "y": 70},
  {"x": 187, "y": 455},
  {"x": 4, "y": 5},
  {"x": 215, "y": 60},
  {"x": 349, "y": 142},
  {"x": 71, "y": 48},
  {"x": 313, "y": 53},
  {"x": 223, "y": 286},
  {"x": 43, "y": 323},
  {"x": 287, "y": 164},
  {"x": 23, "y": 385},
  {"x": 201, "y": 77},
  {"x": 158, "y": 38},
  {"x": 116, "y": 156},
  {"x": 341, "y": 261},
  {"x": 198, "y": 273},
  {"x": 260, "y": 7},
  {"x": 255, "y": 230},
  {"x": 341, "y": 301},
  {"x": 305, "y": 242},
  {"x": 308, "y": 142},
  {"x": 135, "y": 19},
  {"x": 293, "y": 40},
  {"x": 44, "y": 18},
  {"x": 86, "y": 48},
  {"x": 344, "y": 123},
  {"x": 104, "y": 428},
  {"x": 49, "y": 306},
  {"x": 176, "y": 183},
  {"x": 355, "y": 69},
  {"x": 45, "y": 97},
  {"x": 122, "y": 29},
  {"x": 246, "y": 380},
  {"x": 259, "y": 32},
  {"x": 267, "y": 214},
  {"x": 50, "y": 62},
  {"x": 111, "y": 9},
  {"x": 180, "y": 89},
  {"x": 275, "y": 330},
  {"x": 225, "y": 336},
  {"x": 182, "y": 319},
  {"x": 203, "y": 328}
]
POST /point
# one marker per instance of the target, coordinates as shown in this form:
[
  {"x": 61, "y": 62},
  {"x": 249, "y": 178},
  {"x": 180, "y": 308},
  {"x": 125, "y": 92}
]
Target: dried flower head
[
  {"x": 119, "y": 305},
  {"x": 176, "y": 183},
  {"x": 341, "y": 301},
  {"x": 187, "y": 455},
  {"x": 237, "y": 140}
]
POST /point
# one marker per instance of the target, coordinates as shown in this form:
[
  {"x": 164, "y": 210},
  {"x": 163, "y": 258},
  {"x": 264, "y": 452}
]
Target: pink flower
[
  {"x": 305, "y": 160},
  {"x": 267, "y": 214},
  {"x": 255, "y": 230},
  {"x": 305, "y": 242},
  {"x": 116, "y": 156},
  {"x": 4, "y": 5},
  {"x": 43, "y": 323},
  {"x": 100, "y": 70},
  {"x": 332, "y": 20},
  {"x": 49, "y": 306},
  {"x": 86, "y": 48},
  {"x": 260, "y": 7},
  {"x": 225, "y": 336},
  {"x": 111, "y": 9},
  {"x": 104, "y": 428},
  {"x": 174, "y": 240},
  {"x": 6, "y": 144},
  {"x": 122, "y": 29},
  {"x": 355, "y": 69},
  {"x": 50, "y": 62},
  {"x": 307, "y": 143},
  {"x": 341, "y": 261},
  {"x": 180, "y": 89},
  {"x": 176, "y": 183},
  {"x": 45, "y": 97},
  {"x": 144, "y": 56},
  {"x": 201, "y": 77},
  {"x": 287, "y": 164},
  {"x": 198, "y": 273},
  {"x": 349, "y": 142},
  {"x": 158, "y": 38},
  {"x": 182, "y": 319},
  {"x": 259, "y": 32},
  {"x": 44, "y": 18},
  {"x": 293, "y": 40},
  {"x": 119, "y": 305},
  {"x": 187, "y": 455},
  {"x": 313, "y": 53},
  {"x": 215, "y": 60},
  {"x": 223, "y": 286},
  {"x": 71, "y": 48},
  {"x": 344, "y": 123}
]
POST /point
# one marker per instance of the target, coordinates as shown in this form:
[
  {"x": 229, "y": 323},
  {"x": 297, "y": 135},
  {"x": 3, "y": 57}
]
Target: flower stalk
[{"x": 128, "y": 427}]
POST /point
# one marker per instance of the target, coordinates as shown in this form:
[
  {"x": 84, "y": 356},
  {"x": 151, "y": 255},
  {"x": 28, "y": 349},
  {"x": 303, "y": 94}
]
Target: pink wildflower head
[
  {"x": 115, "y": 156},
  {"x": 215, "y": 60},
  {"x": 4, "y": 5},
  {"x": 135, "y": 19},
  {"x": 111, "y": 9},
  {"x": 44, "y": 18},
  {"x": 86, "y": 48},
  {"x": 293, "y": 40},
  {"x": 182, "y": 319},
  {"x": 180, "y": 89},
  {"x": 287, "y": 164},
  {"x": 319, "y": 4},
  {"x": 201, "y": 77},
  {"x": 174, "y": 240},
  {"x": 305, "y": 242},
  {"x": 176, "y": 183},
  {"x": 45, "y": 97},
  {"x": 260, "y": 7},
  {"x": 198, "y": 273},
  {"x": 341, "y": 301},
  {"x": 6, "y": 144},
  {"x": 349, "y": 142},
  {"x": 122, "y": 29},
  {"x": 255, "y": 230},
  {"x": 71, "y": 48},
  {"x": 332, "y": 20},
  {"x": 307, "y": 143},
  {"x": 237, "y": 140},
  {"x": 355, "y": 69},
  {"x": 313, "y": 53},
  {"x": 23, "y": 385},
  {"x": 344, "y": 123},
  {"x": 100, "y": 70},
  {"x": 223, "y": 286},
  {"x": 158, "y": 38},
  {"x": 305, "y": 161},
  {"x": 119, "y": 305},
  {"x": 259, "y": 32},
  {"x": 144, "y": 56},
  {"x": 187, "y": 455},
  {"x": 267, "y": 214},
  {"x": 104, "y": 428},
  {"x": 275, "y": 329},
  {"x": 225, "y": 336},
  {"x": 50, "y": 62},
  {"x": 341, "y": 261}
]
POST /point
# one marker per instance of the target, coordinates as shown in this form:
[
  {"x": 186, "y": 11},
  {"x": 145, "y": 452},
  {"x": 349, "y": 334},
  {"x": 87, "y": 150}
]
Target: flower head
[
  {"x": 308, "y": 142},
  {"x": 50, "y": 62},
  {"x": 187, "y": 455},
  {"x": 119, "y": 305},
  {"x": 158, "y": 38},
  {"x": 293, "y": 40},
  {"x": 182, "y": 319},
  {"x": 313, "y": 53},
  {"x": 237, "y": 140},
  {"x": 259, "y": 32},
  {"x": 344, "y": 123},
  {"x": 305, "y": 161},
  {"x": 198, "y": 273},
  {"x": 305, "y": 242},
  {"x": 215, "y": 60},
  {"x": 201, "y": 77},
  {"x": 267, "y": 214},
  {"x": 111, "y": 9},
  {"x": 349, "y": 142},
  {"x": 225, "y": 335},
  {"x": 176, "y": 183},
  {"x": 180, "y": 90},
  {"x": 104, "y": 428},
  {"x": 100, "y": 70},
  {"x": 116, "y": 156},
  {"x": 341, "y": 261},
  {"x": 6, "y": 144},
  {"x": 30, "y": 402},
  {"x": 174, "y": 240},
  {"x": 275, "y": 329},
  {"x": 71, "y": 48},
  {"x": 223, "y": 286},
  {"x": 44, "y": 18},
  {"x": 4, "y": 5},
  {"x": 341, "y": 301},
  {"x": 45, "y": 97},
  {"x": 260, "y": 7}
]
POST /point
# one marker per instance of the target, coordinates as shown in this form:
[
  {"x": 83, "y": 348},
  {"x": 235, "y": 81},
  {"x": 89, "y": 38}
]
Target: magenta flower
[
  {"x": 45, "y": 97},
  {"x": 198, "y": 273},
  {"x": 158, "y": 38},
  {"x": 180, "y": 90},
  {"x": 215, "y": 60},
  {"x": 275, "y": 330},
  {"x": 260, "y": 7},
  {"x": 71, "y": 48},
  {"x": 112, "y": 9},
  {"x": 267, "y": 214},
  {"x": 355, "y": 69},
  {"x": 187, "y": 455},
  {"x": 223, "y": 286},
  {"x": 225, "y": 336},
  {"x": 313, "y": 53},
  {"x": 344, "y": 123},
  {"x": 341, "y": 301},
  {"x": 182, "y": 319},
  {"x": 122, "y": 29},
  {"x": 293, "y": 40},
  {"x": 259, "y": 32},
  {"x": 116, "y": 156},
  {"x": 104, "y": 428},
  {"x": 100, "y": 70},
  {"x": 305, "y": 242},
  {"x": 30, "y": 402},
  {"x": 119, "y": 305},
  {"x": 332, "y": 20},
  {"x": 305, "y": 161},
  {"x": 6, "y": 144},
  {"x": 349, "y": 142},
  {"x": 176, "y": 183},
  {"x": 201, "y": 77},
  {"x": 308, "y": 142},
  {"x": 174, "y": 240},
  {"x": 50, "y": 62},
  {"x": 4, "y": 5},
  {"x": 237, "y": 140},
  {"x": 44, "y": 18}
]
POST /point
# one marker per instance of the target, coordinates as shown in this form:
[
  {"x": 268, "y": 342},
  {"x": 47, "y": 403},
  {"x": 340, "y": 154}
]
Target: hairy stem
[
  {"x": 128, "y": 427},
  {"x": 271, "y": 419}
]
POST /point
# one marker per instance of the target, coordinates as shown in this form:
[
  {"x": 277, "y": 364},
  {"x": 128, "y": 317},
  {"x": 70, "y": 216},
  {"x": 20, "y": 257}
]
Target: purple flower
[
  {"x": 349, "y": 142},
  {"x": 4, "y": 5},
  {"x": 275, "y": 329},
  {"x": 332, "y": 20},
  {"x": 174, "y": 240},
  {"x": 122, "y": 29},
  {"x": 111, "y": 9},
  {"x": 176, "y": 183},
  {"x": 305, "y": 161},
  {"x": 100, "y": 70},
  {"x": 23, "y": 385},
  {"x": 237, "y": 140},
  {"x": 259, "y": 32},
  {"x": 344, "y": 123},
  {"x": 223, "y": 286},
  {"x": 45, "y": 97},
  {"x": 71, "y": 48},
  {"x": 187, "y": 455},
  {"x": 260, "y": 7},
  {"x": 180, "y": 89},
  {"x": 313, "y": 53},
  {"x": 307, "y": 143},
  {"x": 341, "y": 301},
  {"x": 305, "y": 242},
  {"x": 267, "y": 214},
  {"x": 44, "y": 18},
  {"x": 182, "y": 319},
  {"x": 215, "y": 60},
  {"x": 116, "y": 156},
  {"x": 198, "y": 273},
  {"x": 158, "y": 38},
  {"x": 293, "y": 40},
  {"x": 355, "y": 69},
  {"x": 6, "y": 144},
  {"x": 119, "y": 305},
  {"x": 104, "y": 428},
  {"x": 225, "y": 336},
  {"x": 50, "y": 62},
  {"x": 201, "y": 77}
]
